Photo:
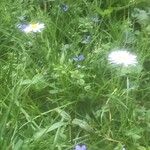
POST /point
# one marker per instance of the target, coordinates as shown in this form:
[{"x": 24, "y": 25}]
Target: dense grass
[{"x": 48, "y": 101}]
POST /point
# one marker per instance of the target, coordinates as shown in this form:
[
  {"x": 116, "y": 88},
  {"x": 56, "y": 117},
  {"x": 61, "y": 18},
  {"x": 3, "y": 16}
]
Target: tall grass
[{"x": 49, "y": 101}]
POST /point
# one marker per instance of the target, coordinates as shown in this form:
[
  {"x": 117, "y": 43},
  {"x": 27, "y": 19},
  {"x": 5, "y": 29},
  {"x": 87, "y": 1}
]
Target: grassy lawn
[{"x": 74, "y": 72}]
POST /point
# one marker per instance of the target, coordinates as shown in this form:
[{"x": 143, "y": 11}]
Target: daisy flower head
[
  {"x": 33, "y": 27},
  {"x": 122, "y": 57}
]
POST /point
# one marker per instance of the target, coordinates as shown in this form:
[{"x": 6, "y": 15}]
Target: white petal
[{"x": 122, "y": 57}]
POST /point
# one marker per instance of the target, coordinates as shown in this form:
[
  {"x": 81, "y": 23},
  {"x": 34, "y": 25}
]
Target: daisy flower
[
  {"x": 33, "y": 27},
  {"x": 122, "y": 57}
]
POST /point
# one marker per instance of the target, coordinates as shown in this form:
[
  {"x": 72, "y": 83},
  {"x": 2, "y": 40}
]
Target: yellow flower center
[{"x": 34, "y": 26}]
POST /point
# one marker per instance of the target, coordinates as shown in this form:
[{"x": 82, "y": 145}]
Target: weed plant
[{"x": 57, "y": 87}]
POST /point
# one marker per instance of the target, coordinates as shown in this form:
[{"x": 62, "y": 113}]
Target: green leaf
[
  {"x": 141, "y": 148},
  {"x": 55, "y": 91},
  {"x": 37, "y": 78},
  {"x": 82, "y": 124},
  {"x": 106, "y": 12},
  {"x": 18, "y": 145},
  {"x": 134, "y": 133},
  {"x": 42, "y": 132},
  {"x": 63, "y": 114}
]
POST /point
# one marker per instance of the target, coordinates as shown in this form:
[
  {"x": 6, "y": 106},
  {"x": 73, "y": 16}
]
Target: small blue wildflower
[
  {"x": 64, "y": 7},
  {"x": 80, "y": 147},
  {"x": 79, "y": 58},
  {"x": 86, "y": 39},
  {"x": 22, "y": 26}
]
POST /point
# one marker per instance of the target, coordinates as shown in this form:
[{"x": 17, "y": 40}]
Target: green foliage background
[{"x": 50, "y": 102}]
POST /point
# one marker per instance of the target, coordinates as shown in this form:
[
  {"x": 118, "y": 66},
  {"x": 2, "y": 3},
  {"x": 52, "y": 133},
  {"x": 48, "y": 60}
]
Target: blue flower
[
  {"x": 80, "y": 147},
  {"x": 79, "y": 58},
  {"x": 64, "y": 7},
  {"x": 22, "y": 26}
]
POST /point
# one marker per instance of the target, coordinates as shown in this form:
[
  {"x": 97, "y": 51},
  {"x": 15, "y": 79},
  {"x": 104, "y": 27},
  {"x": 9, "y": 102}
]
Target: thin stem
[{"x": 128, "y": 86}]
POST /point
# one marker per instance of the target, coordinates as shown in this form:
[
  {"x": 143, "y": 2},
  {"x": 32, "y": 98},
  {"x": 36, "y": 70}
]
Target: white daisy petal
[
  {"x": 122, "y": 57},
  {"x": 27, "y": 29},
  {"x": 34, "y": 27}
]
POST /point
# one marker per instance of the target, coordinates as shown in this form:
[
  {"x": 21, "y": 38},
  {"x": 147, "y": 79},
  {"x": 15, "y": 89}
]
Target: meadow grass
[{"x": 51, "y": 98}]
